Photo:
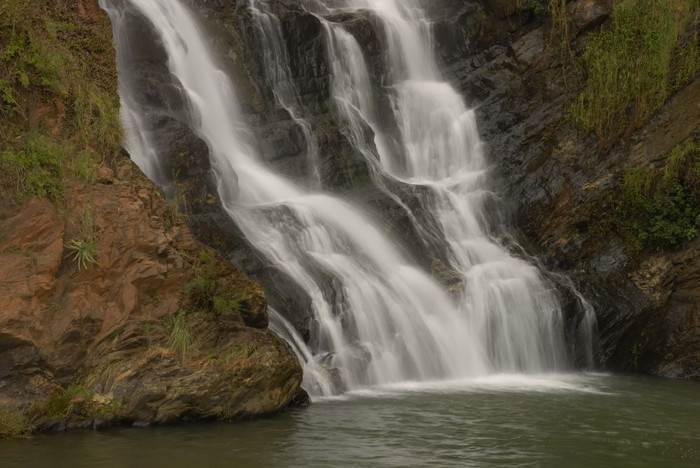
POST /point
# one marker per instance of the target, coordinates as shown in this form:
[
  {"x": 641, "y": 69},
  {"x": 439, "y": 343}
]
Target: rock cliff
[
  {"x": 564, "y": 185},
  {"x": 110, "y": 310}
]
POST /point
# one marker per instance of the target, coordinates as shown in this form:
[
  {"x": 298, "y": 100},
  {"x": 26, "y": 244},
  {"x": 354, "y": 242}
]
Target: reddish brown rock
[{"x": 105, "y": 327}]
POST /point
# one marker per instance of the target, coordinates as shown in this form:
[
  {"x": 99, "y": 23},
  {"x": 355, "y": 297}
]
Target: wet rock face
[
  {"x": 108, "y": 326},
  {"x": 510, "y": 67},
  {"x": 281, "y": 141},
  {"x": 521, "y": 82}
]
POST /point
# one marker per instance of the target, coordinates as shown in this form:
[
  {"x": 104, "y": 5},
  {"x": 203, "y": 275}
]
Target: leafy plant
[
  {"x": 660, "y": 208},
  {"x": 83, "y": 252}
]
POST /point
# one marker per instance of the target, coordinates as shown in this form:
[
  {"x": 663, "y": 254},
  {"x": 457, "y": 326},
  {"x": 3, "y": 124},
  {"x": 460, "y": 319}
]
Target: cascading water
[
  {"x": 378, "y": 319},
  {"x": 505, "y": 298},
  {"x": 270, "y": 44}
]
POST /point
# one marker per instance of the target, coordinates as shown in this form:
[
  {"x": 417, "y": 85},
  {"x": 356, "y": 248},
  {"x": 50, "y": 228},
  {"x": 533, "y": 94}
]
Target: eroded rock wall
[{"x": 110, "y": 310}]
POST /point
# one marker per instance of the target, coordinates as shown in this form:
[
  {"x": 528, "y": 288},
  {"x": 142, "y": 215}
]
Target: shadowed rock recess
[{"x": 110, "y": 310}]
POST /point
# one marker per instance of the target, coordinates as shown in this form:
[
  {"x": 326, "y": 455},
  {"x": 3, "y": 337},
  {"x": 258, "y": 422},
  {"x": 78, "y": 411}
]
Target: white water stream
[
  {"x": 379, "y": 319},
  {"x": 505, "y": 299}
]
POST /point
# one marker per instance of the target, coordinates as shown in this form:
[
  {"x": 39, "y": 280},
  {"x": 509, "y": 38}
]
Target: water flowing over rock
[{"x": 377, "y": 314}]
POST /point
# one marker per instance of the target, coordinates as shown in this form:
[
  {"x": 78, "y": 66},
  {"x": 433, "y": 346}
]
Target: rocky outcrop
[
  {"x": 110, "y": 326},
  {"x": 110, "y": 310}
]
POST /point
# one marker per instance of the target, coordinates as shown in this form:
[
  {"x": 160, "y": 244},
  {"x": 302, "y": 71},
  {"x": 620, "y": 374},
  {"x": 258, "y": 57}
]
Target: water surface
[{"x": 590, "y": 420}]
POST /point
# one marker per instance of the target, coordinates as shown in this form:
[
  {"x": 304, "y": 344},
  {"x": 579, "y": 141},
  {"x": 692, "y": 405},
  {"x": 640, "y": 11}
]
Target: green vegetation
[
  {"x": 238, "y": 351},
  {"x": 209, "y": 294},
  {"x": 14, "y": 424},
  {"x": 83, "y": 252},
  {"x": 178, "y": 202},
  {"x": 180, "y": 337},
  {"x": 48, "y": 48},
  {"x": 204, "y": 257},
  {"x": 58, "y": 102},
  {"x": 660, "y": 209},
  {"x": 111, "y": 409},
  {"x": 35, "y": 170},
  {"x": 84, "y": 167},
  {"x": 60, "y": 404},
  {"x": 83, "y": 247},
  {"x": 630, "y": 66}
]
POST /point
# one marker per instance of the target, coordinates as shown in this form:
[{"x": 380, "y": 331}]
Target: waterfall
[
  {"x": 270, "y": 44},
  {"x": 505, "y": 298},
  {"x": 377, "y": 317}
]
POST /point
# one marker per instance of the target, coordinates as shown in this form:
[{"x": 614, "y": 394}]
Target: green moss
[
  {"x": 629, "y": 66},
  {"x": 660, "y": 209},
  {"x": 14, "y": 424}
]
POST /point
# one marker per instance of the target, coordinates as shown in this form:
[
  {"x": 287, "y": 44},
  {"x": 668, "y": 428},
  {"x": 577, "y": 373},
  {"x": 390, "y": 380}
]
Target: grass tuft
[
  {"x": 14, "y": 424},
  {"x": 60, "y": 403},
  {"x": 83, "y": 252},
  {"x": 180, "y": 337}
]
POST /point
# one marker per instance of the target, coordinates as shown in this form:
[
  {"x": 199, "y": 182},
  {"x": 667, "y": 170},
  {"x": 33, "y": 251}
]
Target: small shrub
[
  {"x": 14, "y": 424},
  {"x": 180, "y": 338},
  {"x": 660, "y": 208},
  {"x": 83, "y": 252}
]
